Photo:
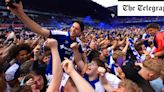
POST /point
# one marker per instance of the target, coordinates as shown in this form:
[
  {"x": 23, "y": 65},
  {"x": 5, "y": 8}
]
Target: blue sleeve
[
  {"x": 80, "y": 45},
  {"x": 80, "y": 49},
  {"x": 50, "y": 36}
]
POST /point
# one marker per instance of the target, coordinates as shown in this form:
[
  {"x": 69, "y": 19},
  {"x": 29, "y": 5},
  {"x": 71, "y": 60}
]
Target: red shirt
[{"x": 159, "y": 40}]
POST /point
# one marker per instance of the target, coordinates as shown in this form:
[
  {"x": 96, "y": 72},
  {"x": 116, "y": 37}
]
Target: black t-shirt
[{"x": 131, "y": 72}]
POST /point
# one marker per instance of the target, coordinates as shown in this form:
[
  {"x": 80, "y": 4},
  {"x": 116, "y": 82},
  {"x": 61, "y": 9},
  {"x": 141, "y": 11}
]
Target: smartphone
[{"x": 11, "y": 2}]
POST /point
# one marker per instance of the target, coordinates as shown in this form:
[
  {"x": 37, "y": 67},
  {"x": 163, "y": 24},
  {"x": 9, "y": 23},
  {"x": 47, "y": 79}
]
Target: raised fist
[
  {"x": 74, "y": 45},
  {"x": 67, "y": 66},
  {"x": 101, "y": 71},
  {"x": 51, "y": 43}
]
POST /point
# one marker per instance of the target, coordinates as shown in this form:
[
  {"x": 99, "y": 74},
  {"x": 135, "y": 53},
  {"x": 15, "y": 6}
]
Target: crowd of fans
[
  {"x": 81, "y": 59},
  {"x": 111, "y": 50},
  {"x": 138, "y": 19}
]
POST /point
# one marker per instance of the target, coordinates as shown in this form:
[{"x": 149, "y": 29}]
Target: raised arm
[
  {"x": 77, "y": 56},
  {"x": 114, "y": 45},
  {"x": 56, "y": 64},
  {"x": 107, "y": 86},
  {"x": 4, "y": 54},
  {"x": 121, "y": 42},
  {"x": 88, "y": 32},
  {"x": 35, "y": 41},
  {"x": 126, "y": 46},
  {"x": 160, "y": 53},
  {"x": 18, "y": 11},
  {"x": 81, "y": 84}
]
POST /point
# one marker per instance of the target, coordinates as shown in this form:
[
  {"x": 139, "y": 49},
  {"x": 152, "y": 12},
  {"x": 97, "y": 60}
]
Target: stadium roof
[{"x": 79, "y": 8}]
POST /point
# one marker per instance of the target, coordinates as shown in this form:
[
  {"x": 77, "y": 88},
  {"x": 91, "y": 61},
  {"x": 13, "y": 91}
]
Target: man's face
[
  {"x": 92, "y": 68},
  {"x": 22, "y": 54},
  {"x": 105, "y": 52},
  {"x": 38, "y": 82},
  {"x": 150, "y": 75},
  {"x": 152, "y": 31},
  {"x": 75, "y": 30},
  {"x": 93, "y": 45}
]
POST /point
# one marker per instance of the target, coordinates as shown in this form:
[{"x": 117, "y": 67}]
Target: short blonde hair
[
  {"x": 129, "y": 86},
  {"x": 162, "y": 75},
  {"x": 118, "y": 53},
  {"x": 154, "y": 65}
]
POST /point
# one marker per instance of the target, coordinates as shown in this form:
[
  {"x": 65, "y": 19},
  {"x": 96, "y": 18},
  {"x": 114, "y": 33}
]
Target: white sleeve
[
  {"x": 111, "y": 62},
  {"x": 58, "y": 32},
  {"x": 148, "y": 49},
  {"x": 99, "y": 87},
  {"x": 64, "y": 80},
  {"x": 109, "y": 49},
  {"x": 80, "y": 43},
  {"x": 10, "y": 73},
  {"x": 113, "y": 80},
  {"x": 143, "y": 36}
]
